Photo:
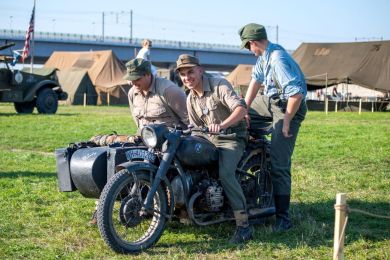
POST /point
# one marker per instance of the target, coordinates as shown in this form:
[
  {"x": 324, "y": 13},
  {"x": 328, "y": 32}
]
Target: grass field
[{"x": 338, "y": 152}]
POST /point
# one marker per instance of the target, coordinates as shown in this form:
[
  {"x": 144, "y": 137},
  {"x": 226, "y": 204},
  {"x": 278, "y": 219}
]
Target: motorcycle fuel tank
[{"x": 195, "y": 152}]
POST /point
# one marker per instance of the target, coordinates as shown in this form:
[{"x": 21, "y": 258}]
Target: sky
[{"x": 213, "y": 21}]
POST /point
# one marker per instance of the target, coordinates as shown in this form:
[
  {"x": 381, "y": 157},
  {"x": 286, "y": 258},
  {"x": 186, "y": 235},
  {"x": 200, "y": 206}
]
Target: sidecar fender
[{"x": 137, "y": 165}]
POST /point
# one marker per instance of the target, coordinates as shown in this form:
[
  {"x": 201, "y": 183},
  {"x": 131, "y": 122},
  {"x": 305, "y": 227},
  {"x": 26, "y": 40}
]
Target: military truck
[{"x": 27, "y": 90}]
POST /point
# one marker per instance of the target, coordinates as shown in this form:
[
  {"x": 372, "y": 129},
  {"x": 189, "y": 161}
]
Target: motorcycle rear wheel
[
  {"x": 121, "y": 224},
  {"x": 265, "y": 193}
]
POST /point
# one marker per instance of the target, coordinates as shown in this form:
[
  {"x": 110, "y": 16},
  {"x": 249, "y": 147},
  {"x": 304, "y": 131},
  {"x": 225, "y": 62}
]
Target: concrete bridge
[{"x": 216, "y": 57}]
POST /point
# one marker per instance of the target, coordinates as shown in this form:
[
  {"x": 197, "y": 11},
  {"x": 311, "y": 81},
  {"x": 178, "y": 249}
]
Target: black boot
[
  {"x": 283, "y": 221},
  {"x": 242, "y": 235},
  {"x": 244, "y": 231}
]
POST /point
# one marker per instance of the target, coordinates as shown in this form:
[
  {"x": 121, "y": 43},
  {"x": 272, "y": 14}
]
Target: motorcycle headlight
[{"x": 153, "y": 135}]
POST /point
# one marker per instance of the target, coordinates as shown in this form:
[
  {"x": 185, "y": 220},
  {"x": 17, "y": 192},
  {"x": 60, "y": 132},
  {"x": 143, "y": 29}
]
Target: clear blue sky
[{"x": 213, "y": 21}]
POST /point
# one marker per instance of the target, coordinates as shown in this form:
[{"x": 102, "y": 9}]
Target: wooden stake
[
  {"x": 326, "y": 105},
  {"x": 108, "y": 98},
  {"x": 360, "y": 106},
  {"x": 335, "y": 107},
  {"x": 85, "y": 99},
  {"x": 340, "y": 216}
]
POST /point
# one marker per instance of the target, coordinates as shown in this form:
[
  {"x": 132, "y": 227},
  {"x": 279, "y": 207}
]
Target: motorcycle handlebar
[{"x": 204, "y": 130}]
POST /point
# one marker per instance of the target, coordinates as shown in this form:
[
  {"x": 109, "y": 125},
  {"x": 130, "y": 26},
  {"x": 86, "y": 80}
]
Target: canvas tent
[
  {"x": 104, "y": 69},
  {"x": 362, "y": 63},
  {"x": 240, "y": 78},
  {"x": 76, "y": 83}
]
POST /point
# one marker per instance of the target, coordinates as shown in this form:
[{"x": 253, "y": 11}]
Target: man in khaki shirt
[
  {"x": 213, "y": 103},
  {"x": 154, "y": 99}
]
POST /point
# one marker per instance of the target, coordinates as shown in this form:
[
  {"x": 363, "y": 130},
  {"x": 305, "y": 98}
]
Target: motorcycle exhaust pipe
[{"x": 261, "y": 213}]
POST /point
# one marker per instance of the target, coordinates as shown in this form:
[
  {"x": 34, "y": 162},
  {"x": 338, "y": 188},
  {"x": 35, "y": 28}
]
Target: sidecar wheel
[{"x": 121, "y": 224}]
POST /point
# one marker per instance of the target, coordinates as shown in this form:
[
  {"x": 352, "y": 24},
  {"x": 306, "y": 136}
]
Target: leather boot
[
  {"x": 283, "y": 221},
  {"x": 244, "y": 231}
]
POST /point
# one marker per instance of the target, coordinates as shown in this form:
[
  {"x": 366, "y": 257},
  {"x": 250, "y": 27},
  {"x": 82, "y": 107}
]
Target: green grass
[{"x": 338, "y": 152}]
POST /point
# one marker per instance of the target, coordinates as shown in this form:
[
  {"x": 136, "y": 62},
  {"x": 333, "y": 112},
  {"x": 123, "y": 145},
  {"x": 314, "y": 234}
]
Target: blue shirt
[{"x": 277, "y": 63}]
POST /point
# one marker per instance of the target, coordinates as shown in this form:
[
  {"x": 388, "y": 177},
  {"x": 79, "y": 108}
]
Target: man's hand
[
  {"x": 214, "y": 128},
  {"x": 286, "y": 129},
  {"x": 293, "y": 104}
]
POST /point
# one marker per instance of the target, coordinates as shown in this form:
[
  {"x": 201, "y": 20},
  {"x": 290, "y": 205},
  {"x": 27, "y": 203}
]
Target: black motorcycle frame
[{"x": 159, "y": 174}]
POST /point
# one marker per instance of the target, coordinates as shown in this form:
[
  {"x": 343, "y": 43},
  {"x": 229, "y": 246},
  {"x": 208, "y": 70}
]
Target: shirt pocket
[
  {"x": 157, "y": 112},
  {"x": 137, "y": 112},
  {"x": 212, "y": 103}
]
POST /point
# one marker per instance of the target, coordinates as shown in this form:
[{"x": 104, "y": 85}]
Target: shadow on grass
[
  {"x": 14, "y": 175},
  {"x": 313, "y": 228},
  {"x": 36, "y": 114}
]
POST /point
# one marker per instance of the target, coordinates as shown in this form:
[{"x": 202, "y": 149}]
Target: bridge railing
[{"x": 50, "y": 36}]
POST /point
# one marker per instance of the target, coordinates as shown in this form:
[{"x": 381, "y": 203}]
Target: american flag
[{"x": 30, "y": 30}]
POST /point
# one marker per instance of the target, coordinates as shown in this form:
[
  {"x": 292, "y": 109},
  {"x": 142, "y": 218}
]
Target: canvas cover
[
  {"x": 104, "y": 69},
  {"x": 76, "y": 83},
  {"x": 45, "y": 72},
  {"x": 362, "y": 63}
]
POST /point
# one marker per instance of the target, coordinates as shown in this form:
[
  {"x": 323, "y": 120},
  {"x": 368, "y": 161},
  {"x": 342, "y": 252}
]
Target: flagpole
[{"x": 33, "y": 43}]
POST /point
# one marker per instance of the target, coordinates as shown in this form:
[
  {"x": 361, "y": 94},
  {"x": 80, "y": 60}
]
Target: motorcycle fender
[
  {"x": 133, "y": 166},
  {"x": 136, "y": 166},
  {"x": 246, "y": 157}
]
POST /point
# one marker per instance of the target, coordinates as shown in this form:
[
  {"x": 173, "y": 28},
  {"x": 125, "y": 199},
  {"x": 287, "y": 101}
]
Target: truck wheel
[
  {"x": 24, "y": 107},
  {"x": 47, "y": 101}
]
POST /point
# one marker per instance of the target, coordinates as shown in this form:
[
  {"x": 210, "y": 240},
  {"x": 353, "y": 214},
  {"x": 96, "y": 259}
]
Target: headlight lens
[
  {"x": 149, "y": 137},
  {"x": 154, "y": 135}
]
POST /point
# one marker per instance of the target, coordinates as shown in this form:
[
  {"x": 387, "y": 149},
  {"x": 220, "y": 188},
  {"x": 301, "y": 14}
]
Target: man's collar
[{"x": 205, "y": 86}]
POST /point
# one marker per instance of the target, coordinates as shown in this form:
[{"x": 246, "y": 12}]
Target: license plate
[{"x": 140, "y": 154}]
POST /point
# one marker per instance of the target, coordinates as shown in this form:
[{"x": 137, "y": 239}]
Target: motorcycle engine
[{"x": 213, "y": 194}]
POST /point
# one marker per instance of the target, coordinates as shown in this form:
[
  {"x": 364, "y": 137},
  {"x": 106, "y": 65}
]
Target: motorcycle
[{"x": 176, "y": 176}]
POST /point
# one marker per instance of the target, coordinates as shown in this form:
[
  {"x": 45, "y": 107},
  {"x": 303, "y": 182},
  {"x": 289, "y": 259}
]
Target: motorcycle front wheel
[{"x": 122, "y": 224}]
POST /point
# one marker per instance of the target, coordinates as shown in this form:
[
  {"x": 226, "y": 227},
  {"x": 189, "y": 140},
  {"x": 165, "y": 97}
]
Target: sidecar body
[{"x": 87, "y": 169}]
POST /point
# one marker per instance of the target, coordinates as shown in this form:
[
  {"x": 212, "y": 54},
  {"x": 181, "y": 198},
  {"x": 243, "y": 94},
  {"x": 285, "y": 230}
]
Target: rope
[
  {"x": 368, "y": 213},
  {"x": 348, "y": 209}
]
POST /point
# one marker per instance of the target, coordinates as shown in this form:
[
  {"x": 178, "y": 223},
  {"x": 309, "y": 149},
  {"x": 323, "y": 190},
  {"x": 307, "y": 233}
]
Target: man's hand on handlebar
[{"x": 214, "y": 128}]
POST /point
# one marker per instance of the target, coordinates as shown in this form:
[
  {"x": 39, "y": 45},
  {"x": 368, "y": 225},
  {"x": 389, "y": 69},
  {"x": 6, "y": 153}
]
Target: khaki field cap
[
  {"x": 186, "y": 61},
  {"x": 137, "y": 68},
  {"x": 251, "y": 32}
]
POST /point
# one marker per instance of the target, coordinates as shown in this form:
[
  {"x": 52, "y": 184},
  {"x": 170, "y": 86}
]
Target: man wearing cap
[
  {"x": 152, "y": 100},
  {"x": 213, "y": 103},
  {"x": 284, "y": 101}
]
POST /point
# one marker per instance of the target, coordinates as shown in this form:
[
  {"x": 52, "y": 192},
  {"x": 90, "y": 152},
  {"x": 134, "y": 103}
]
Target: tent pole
[{"x": 326, "y": 93}]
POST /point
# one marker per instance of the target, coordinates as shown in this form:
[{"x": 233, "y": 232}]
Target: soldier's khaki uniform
[
  {"x": 164, "y": 103},
  {"x": 217, "y": 103}
]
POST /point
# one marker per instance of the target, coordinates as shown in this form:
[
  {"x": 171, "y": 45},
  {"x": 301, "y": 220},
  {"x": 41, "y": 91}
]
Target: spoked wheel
[
  {"x": 122, "y": 224},
  {"x": 264, "y": 190}
]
